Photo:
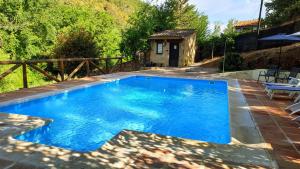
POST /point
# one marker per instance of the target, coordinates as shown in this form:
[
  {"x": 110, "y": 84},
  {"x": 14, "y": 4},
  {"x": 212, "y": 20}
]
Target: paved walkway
[{"x": 275, "y": 124}]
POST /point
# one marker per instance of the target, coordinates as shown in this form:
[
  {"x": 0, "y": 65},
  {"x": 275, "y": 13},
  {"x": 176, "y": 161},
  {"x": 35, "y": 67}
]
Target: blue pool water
[{"x": 84, "y": 119}]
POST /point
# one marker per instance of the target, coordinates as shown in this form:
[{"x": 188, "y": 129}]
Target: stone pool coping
[{"x": 246, "y": 149}]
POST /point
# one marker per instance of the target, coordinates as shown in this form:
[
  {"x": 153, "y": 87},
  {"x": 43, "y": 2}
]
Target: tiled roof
[
  {"x": 246, "y": 23},
  {"x": 175, "y": 33}
]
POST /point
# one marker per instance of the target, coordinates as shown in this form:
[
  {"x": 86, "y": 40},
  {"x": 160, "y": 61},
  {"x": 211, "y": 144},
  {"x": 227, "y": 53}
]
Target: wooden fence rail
[{"x": 88, "y": 62}]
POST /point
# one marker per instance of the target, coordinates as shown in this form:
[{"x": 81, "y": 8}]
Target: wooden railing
[{"x": 88, "y": 62}]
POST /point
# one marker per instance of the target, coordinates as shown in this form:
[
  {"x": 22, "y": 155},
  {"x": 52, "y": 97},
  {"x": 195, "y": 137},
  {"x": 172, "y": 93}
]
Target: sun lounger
[
  {"x": 297, "y": 99},
  {"x": 296, "y": 119},
  {"x": 294, "y": 108},
  {"x": 291, "y": 82},
  {"x": 272, "y": 89}
]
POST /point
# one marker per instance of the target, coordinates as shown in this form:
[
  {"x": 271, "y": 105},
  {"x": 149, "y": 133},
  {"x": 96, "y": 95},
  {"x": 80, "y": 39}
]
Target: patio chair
[
  {"x": 293, "y": 74},
  {"x": 272, "y": 72},
  {"x": 271, "y": 90}
]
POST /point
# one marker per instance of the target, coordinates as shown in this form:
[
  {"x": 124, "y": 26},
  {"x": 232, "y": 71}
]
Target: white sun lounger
[
  {"x": 297, "y": 99},
  {"x": 273, "y": 89},
  {"x": 296, "y": 119},
  {"x": 294, "y": 108},
  {"x": 292, "y": 82}
]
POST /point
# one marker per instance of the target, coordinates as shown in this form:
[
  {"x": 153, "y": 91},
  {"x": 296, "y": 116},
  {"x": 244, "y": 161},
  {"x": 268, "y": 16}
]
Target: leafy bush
[
  {"x": 233, "y": 62},
  {"x": 31, "y": 28},
  {"x": 76, "y": 44}
]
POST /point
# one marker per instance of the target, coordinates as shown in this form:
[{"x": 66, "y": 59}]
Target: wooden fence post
[
  {"x": 62, "y": 70},
  {"x": 25, "y": 83},
  {"x": 106, "y": 66},
  {"x": 121, "y": 64},
  {"x": 87, "y": 68}
]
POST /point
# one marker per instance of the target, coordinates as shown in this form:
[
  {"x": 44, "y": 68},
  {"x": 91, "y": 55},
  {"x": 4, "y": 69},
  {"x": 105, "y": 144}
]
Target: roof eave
[{"x": 166, "y": 38}]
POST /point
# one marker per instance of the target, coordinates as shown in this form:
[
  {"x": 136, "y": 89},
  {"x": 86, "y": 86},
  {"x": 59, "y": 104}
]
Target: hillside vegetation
[
  {"x": 36, "y": 29},
  {"x": 120, "y": 10}
]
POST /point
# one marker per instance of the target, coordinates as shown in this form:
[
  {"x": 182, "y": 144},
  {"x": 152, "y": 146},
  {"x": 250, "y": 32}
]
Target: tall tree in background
[
  {"x": 171, "y": 14},
  {"x": 142, "y": 24},
  {"x": 230, "y": 27},
  {"x": 279, "y": 11},
  {"x": 217, "y": 29},
  {"x": 186, "y": 16}
]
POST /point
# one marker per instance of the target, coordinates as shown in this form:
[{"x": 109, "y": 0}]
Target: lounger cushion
[{"x": 287, "y": 88}]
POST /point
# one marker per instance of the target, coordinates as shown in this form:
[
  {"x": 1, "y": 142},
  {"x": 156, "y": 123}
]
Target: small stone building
[{"x": 174, "y": 48}]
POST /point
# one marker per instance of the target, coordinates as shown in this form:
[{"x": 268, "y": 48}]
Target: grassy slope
[
  {"x": 119, "y": 9},
  {"x": 14, "y": 80}
]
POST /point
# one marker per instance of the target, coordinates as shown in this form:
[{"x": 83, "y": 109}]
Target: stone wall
[
  {"x": 163, "y": 58},
  {"x": 188, "y": 51}
]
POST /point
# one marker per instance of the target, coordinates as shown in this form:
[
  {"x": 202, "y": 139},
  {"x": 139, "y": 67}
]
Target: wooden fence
[{"x": 89, "y": 63}]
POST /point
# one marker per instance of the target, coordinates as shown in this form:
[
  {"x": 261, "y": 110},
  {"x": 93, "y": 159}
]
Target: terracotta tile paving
[{"x": 275, "y": 124}]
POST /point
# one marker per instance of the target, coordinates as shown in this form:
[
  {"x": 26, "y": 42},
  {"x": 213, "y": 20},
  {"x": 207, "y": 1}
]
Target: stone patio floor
[{"x": 273, "y": 122}]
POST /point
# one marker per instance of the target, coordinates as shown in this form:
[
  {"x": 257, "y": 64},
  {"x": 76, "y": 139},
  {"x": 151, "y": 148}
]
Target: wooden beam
[
  {"x": 10, "y": 62},
  {"x": 96, "y": 66},
  {"x": 25, "y": 82},
  {"x": 44, "y": 72},
  {"x": 76, "y": 70},
  {"x": 10, "y": 70},
  {"x": 54, "y": 60}
]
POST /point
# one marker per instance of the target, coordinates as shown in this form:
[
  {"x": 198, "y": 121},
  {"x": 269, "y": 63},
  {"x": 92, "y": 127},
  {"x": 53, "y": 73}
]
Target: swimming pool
[{"x": 84, "y": 119}]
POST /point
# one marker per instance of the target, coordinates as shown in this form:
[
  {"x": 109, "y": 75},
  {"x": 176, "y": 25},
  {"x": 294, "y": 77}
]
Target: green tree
[
  {"x": 30, "y": 28},
  {"x": 279, "y": 11},
  {"x": 230, "y": 29},
  {"x": 171, "y": 14},
  {"x": 217, "y": 29},
  {"x": 142, "y": 24},
  {"x": 183, "y": 15},
  {"x": 19, "y": 26}
]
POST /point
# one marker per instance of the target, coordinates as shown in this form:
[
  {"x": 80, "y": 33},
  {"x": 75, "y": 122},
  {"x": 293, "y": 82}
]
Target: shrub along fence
[{"x": 91, "y": 65}]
